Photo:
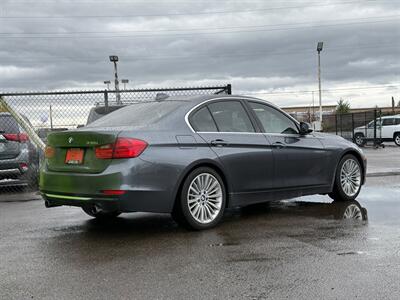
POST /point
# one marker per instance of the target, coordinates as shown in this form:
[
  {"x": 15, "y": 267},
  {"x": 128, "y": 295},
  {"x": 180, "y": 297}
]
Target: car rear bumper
[
  {"x": 143, "y": 188},
  {"x": 107, "y": 204},
  {"x": 10, "y": 173},
  {"x": 131, "y": 201}
]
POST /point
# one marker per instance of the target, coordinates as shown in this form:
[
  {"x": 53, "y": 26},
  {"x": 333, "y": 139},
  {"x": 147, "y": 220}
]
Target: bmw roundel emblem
[{"x": 70, "y": 140}]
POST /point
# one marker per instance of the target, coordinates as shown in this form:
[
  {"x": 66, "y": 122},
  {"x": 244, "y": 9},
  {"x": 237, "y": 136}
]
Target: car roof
[
  {"x": 392, "y": 116},
  {"x": 195, "y": 100}
]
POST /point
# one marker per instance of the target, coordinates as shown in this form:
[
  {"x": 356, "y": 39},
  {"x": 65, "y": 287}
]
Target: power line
[
  {"x": 201, "y": 33},
  {"x": 197, "y": 28},
  {"x": 210, "y": 55},
  {"x": 324, "y": 90},
  {"x": 184, "y": 14}
]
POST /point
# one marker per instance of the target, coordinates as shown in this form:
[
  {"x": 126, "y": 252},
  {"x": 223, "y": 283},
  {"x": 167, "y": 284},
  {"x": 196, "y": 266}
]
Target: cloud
[{"x": 259, "y": 47}]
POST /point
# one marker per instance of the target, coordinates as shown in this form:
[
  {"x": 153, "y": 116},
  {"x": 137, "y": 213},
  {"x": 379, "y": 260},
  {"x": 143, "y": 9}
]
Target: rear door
[
  {"x": 227, "y": 128},
  {"x": 388, "y": 128},
  {"x": 300, "y": 160},
  {"x": 9, "y": 149}
]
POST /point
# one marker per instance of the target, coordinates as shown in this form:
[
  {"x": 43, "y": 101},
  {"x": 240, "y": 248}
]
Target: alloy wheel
[
  {"x": 397, "y": 139},
  {"x": 359, "y": 140},
  {"x": 350, "y": 177},
  {"x": 204, "y": 198}
]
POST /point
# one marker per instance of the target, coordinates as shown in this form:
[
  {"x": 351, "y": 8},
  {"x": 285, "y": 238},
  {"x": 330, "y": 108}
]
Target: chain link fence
[
  {"x": 367, "y": 128},
  {"x": 46, "y": 112}
]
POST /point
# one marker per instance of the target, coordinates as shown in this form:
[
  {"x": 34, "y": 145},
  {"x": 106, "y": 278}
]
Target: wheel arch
[
  {"x": 198, "y": 164},
  {"x": 395, "y": 133},
  {"x": 358, "y": 156}
]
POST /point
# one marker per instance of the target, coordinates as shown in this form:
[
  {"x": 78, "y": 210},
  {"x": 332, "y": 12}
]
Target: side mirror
[{"x": 305, "y": 128}]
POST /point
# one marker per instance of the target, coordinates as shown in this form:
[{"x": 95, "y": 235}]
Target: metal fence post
[
  {"x": 229, "y": 89},
  {"x": 106, "y": 101},
  {"x": 375, "y": 116},
  {"x": 366, "y": 126},
  {"x": 336, "y": 124},
  {"x": 341, "y": 125}
]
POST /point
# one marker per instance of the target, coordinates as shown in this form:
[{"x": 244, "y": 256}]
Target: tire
[
  {"x": 204, "y": 206},
  {"x": 396, "y": 138},
  {"x": 348, "y": 179},
  {"x": 359, "y": 140},
  {"x": 100, "y": 214}
]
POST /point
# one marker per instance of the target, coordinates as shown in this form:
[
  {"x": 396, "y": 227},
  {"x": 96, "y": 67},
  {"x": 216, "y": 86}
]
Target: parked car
[
  {"x": 44, "y": 132},
  {"x": 387, "y": 130},
  {"x": 193, "y": 157},
  {"x": 19, "y": 158},
  {"x": 97, "y": 112}
]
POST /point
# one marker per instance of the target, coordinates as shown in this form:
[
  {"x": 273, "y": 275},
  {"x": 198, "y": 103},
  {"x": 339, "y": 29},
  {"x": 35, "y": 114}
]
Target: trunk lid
[{"x": 85, "y": 140}]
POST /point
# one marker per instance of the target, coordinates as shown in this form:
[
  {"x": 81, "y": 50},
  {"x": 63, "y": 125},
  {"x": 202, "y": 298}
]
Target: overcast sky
[{"x": 263, "y": 48}]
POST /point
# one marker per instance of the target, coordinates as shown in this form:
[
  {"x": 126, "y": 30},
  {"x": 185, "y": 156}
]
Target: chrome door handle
[
  {"x": 278, "y": 145},
  {"x": 218, "y": 143}
]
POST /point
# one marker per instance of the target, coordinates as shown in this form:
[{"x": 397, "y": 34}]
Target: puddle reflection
[{"x": 346, "y": 211}]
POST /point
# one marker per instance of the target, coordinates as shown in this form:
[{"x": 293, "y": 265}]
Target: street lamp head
[
  {"x": 319, "y": 46},
  {"x": 107, "y": 81},
  {"x": 113, "y": 58}
]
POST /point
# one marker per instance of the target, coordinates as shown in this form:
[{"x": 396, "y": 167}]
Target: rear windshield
[
  {"x": 8, "y": 125},
  {"x": 139, "y": 114},
  {"x": 99, "y": 112}
]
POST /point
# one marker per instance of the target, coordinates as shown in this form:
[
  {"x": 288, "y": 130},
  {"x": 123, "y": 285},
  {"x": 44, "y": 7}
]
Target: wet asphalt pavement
[{"x": 291, "y": 250}]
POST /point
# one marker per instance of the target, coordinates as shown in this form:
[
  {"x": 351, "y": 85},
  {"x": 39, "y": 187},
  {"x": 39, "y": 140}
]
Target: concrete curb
[
  {"x": 382, "y": 174},
  {"x": 20, "y": 197}
]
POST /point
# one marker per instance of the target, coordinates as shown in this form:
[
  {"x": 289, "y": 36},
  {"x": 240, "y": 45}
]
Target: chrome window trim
[{"x": 234, "y": 98}]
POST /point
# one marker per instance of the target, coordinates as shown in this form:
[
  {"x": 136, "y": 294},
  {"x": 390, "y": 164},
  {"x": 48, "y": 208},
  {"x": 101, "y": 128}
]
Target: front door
[{"x": 300, "y": 160}]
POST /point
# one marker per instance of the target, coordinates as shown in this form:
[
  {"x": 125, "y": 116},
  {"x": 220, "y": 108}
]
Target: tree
[{"x": 342, "y": 107}]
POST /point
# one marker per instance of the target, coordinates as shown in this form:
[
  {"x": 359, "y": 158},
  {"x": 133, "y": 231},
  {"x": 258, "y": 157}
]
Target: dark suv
[{"x": 19, "y": 158}]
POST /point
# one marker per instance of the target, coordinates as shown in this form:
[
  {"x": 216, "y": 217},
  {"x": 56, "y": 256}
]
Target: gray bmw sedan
[{"x": 193, "y": 157}]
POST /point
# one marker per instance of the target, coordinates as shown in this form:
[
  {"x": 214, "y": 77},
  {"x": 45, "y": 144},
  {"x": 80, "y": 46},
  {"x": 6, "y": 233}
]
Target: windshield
[{"x": 139, "y": 114}]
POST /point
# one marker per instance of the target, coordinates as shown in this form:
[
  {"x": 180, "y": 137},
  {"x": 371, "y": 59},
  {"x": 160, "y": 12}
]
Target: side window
[
  {"x": 387, "y": 122},
  {"x": 201, "y": 120},
  {"x": 231, "y": 116},
  {"x": 397, "y": 121},
  {"x": 273, "y": 120}
]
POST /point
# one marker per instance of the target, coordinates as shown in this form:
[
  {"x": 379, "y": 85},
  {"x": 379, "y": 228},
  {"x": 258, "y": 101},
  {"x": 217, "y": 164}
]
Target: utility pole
[
  {"x": 393, "y": 104},
  {"x": 319, "y": 49},
  {"x": 313, "y": 107},
  {"x": 114, "y": 59}
]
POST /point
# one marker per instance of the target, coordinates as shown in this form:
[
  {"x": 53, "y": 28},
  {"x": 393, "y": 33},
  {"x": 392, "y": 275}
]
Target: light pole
[
  {"x": 319, "y": 49},
  {"x": 125, "y": 81},
  {"x": 108, "y": 82},
  {"x": 114, "y": 59}
]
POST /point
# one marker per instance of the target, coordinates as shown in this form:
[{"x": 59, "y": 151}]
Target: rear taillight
[
  {"x": 16, "y": 137},
  {"x": 105, "y": 151},
  {"x": 23, "y": 137},
  {"x": 24, "y": 167},
  {"x": 128, "y": 148},
  {"x": 49, "y": 152},
  {"x": 123, "y": 148}
]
